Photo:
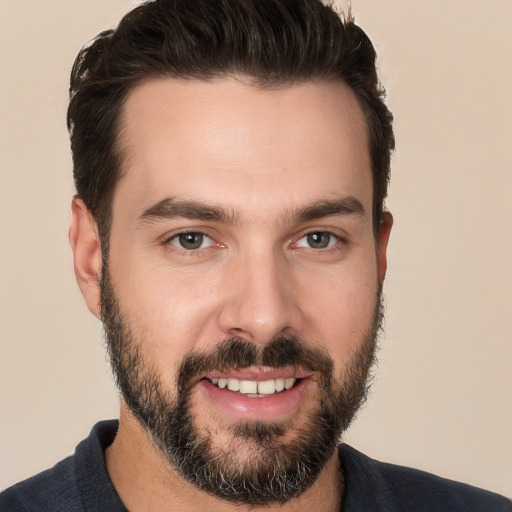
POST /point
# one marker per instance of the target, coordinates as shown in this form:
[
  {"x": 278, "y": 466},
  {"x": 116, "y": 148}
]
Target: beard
[{"x": 281, "y": 460}]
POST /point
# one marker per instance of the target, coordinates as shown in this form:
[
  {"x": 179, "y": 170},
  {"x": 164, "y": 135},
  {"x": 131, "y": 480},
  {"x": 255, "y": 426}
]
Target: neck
[{"x": 145, "y": 482}]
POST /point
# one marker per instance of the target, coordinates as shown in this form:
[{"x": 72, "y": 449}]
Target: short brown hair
[{"x": 272, "y": 42}]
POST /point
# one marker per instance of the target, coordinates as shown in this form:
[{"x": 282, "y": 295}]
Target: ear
[
  {"x": 85, "y": 242},
  {"x": 383, "y": 232}
]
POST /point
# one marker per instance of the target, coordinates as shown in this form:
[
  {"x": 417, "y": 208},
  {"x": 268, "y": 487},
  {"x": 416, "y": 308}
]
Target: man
[{"x": 231, "y": 160}]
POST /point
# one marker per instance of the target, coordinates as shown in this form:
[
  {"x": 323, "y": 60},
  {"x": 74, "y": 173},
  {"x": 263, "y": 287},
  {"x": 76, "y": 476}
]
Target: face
[{"x": 242, "y": 290}]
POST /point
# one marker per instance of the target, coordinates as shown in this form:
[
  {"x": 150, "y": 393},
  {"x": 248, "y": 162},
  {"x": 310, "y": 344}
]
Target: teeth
[
  {"x": 267, "y": 387},
  {"x": 288, "y": 383},
  {"x": 248, "y": 386},
  {"x": 255, "y": 388},
  {"x": 233, "y": 384}
]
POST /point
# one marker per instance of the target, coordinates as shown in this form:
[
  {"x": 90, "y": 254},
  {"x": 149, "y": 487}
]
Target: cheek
[
  {"x": 169, "y": 310},
  {"x": 340, "y": 309},
  {"x": 345, "y": 311}
]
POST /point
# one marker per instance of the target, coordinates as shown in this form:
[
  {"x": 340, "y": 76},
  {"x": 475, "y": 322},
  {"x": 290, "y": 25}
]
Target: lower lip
[{"x": 269, "y": 407}]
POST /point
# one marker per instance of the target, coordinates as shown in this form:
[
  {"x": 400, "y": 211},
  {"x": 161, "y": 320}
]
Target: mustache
[{"x": 237, "y": 353}]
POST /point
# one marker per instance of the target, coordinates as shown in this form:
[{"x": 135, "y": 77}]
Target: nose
[{"x": 260, "y": 299}]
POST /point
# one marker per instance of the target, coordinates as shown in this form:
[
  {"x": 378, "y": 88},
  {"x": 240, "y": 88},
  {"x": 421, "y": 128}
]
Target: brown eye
[{"x": 191, "y": 241}]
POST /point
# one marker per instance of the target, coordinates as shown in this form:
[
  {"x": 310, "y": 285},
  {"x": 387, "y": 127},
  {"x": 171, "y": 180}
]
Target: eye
[
  {"x": 191, "y": 240},
  {"x": 318, "y": 240}
]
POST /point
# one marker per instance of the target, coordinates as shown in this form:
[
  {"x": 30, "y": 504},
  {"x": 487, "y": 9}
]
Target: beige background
[{"x": 442, "y": 398}]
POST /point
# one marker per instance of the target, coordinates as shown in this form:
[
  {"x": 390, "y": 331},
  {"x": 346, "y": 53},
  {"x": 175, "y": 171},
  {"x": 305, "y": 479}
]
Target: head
[{"x": 231, "y": 161}]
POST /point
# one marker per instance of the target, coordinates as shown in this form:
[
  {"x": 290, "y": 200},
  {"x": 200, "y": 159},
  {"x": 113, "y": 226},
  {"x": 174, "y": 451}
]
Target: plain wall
[{"x": 442, "y": 395}]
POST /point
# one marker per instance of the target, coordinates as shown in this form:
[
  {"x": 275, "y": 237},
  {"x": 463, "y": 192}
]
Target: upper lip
[{"x": 259, "y": 374}]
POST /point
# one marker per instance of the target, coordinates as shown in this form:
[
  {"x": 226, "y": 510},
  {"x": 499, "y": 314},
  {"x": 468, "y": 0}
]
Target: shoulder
[
  {"x": 401, "y": 488},
  {"x": 52, "y": 490},
  {"x": 76, "y": 484}
]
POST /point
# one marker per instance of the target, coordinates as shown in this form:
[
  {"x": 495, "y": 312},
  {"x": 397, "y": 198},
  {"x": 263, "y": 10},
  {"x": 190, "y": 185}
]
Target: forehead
[{"x": 225, "y": 141}]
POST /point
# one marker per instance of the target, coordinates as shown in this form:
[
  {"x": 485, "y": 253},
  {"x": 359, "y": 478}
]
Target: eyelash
[
  {"x": 333, "y": 242},
  {"x": 169, "y": 241}
]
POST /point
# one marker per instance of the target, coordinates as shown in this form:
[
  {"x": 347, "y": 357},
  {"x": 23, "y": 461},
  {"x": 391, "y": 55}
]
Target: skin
[{"x": 262, "y": 156}]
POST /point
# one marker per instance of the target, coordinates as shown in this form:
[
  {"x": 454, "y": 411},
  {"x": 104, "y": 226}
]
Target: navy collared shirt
[{"x": 80, "y": 483}]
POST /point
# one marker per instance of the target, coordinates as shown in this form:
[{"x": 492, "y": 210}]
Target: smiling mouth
[{"x": 253, "y": 388}]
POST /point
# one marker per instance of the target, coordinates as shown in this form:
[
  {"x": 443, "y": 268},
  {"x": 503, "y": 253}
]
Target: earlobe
[
  {"x": 85, "y": 243},
  {"x": 383, "y": 233}
]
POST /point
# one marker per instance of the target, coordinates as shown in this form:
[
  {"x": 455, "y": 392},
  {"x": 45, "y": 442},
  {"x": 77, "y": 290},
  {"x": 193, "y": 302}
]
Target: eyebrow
[
  {"x": 339, "y": 207},
  {"x": 170, "y": 208}
]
